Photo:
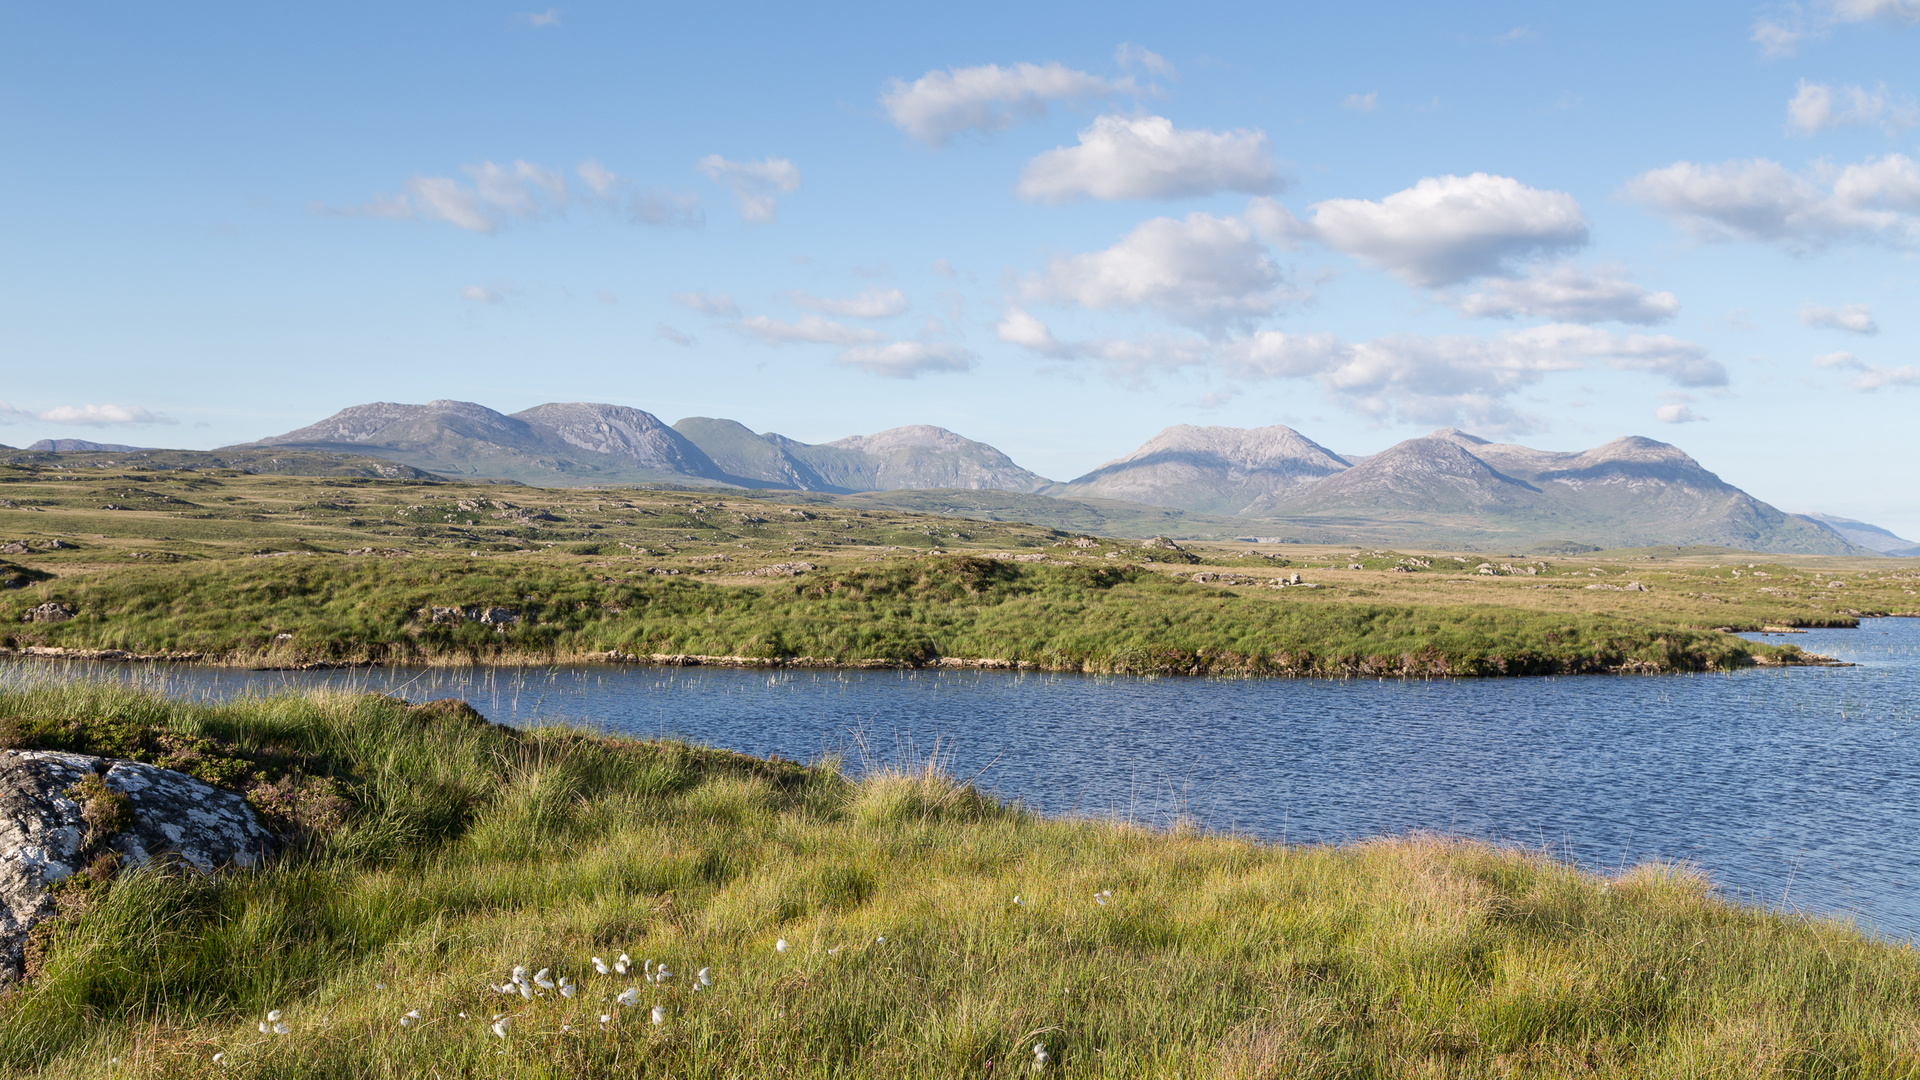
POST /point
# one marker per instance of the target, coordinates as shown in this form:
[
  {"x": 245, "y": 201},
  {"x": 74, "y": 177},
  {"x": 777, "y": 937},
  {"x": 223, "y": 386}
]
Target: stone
[
  {"x": 16, "y": 547},
  {"x": 173, "y": 818},
  {"x": 53, "y": 611}
]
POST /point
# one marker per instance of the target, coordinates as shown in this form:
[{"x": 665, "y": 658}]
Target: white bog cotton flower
[
  {"x": 567, "y": 988},
  {"x": 282, "y": 1028},
  {"x": 629, "y": 997},
  {"x": 600, "y": 965},
  {"x": 781, "y": 945},
  {"x": 500, "y": 1027},
  {"x": 706, "y": 976},
  {"x": 273, "y": 1016},
  {"x": 541, "y": 980},
  {"x": 659, "y": 1015},
  {"x": 661, "y": 974}
]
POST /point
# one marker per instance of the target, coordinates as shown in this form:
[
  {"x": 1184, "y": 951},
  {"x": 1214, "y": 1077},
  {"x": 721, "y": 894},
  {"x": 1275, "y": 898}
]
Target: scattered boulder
[
  {"x": 53, "y": 611},
  {"x": 1163, "y": 543},
  {"x": 785, "y": 569},
  {"x": 14, "y": 547},
  {"x": 499, "y": 617},
  {"x": 63, "y": 813}
]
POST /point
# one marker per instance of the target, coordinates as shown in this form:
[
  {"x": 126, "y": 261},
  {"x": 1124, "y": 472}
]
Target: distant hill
[
  {"x": 1217, "y": 470},
  {"x": 79, "y": 446},
  {"x": 1869, "y": 536},
  {"x": 1448, "y": 488},
  {"x": 271, "y": 462}
]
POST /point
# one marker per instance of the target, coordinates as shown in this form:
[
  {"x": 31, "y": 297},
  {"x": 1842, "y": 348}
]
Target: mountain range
[{"x": 1447, "y": 487}]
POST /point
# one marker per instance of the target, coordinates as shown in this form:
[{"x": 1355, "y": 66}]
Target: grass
[
  {"x": 472, "y": 849},
  {"x": 291, "y": 570}
]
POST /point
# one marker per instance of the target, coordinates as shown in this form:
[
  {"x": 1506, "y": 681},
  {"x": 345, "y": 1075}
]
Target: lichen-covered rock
[
  {"x": 51, "y": 611},
  {"x": 44, "y": 830}
]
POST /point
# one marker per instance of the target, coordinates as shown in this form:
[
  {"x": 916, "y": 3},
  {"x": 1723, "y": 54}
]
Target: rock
[
  {"x": 499, "y": 616},
  {"x": 53, "y": 611},
  {"x": 785, "y": 569},
  {"x": 57, "y": 545},
  {"x": 44, "y": 830},
  {"x": 1164, "y": 543},
  {"x": 16, "y": 547},
  {"x": 491, "y": 616}
]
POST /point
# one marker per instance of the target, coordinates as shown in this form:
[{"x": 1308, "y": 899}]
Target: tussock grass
[{"x": 475, "y": 848}]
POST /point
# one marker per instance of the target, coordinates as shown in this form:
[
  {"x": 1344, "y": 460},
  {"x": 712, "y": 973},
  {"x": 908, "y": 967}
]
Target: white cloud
[
  {"x": 906, "y": 359},
  {"x": 540, "y": 20},
  {"x": 755, "y": 184},
  {"x": 1876, "y": 201},
  {"x": 1131, "y": 57},
  {"x": 677, "y": 337},
  {"x": 1366, "y": 102},
  {"x": 1869, "y": 377},
  {"x": 1853, "y": 318},
  {"x": 1569, "y": 293},
  {"x": 1147, "y": 157},
  {"x": 87, "y": 415},
  {"x": 871, "y": 304},
  {"x": 715, "y": 305},
  {"x": 1819, "y": 107},
  {"x": 1677, "y": 412},
  {"x": 480, "y": 294},
  {"x": 811, "y": 329},
  {"x": 494, "y": 195},
  {"x": 1203, "y": 271},
  {"x": 1403, "y": 377},
  {"x": 1442, "y": 231},
  {"x": 1780, "y": 32},
  {"x": 941, "y": 104}
]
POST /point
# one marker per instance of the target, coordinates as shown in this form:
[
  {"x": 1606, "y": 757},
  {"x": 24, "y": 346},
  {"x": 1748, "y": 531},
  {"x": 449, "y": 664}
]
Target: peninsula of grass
[
  {"x": 929, "y": 930},
  {"x": 224, "y": 567}
]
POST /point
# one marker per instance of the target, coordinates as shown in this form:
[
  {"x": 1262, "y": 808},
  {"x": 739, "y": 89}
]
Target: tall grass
[{"x": 474, "y": 849}]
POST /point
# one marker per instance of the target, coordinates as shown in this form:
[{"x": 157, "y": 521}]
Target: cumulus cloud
[
  {"x": 714, "y": 305},
  {"x": 906, "y": 359},
  {"x": 1820, "y": 107},
  {"x": 674, "y": 335},
  {"x": 1677, "y": 412},
  {"x": 493, "y": 195},
  {"x": 810, "y": 329},
  {"x": 1852, "y": 318},
  {"x": 1869, "y": 377},
  {"x": 941, "y": 104},
  {"x": 1443, "y": 230},
  {"x": 480, "y": 294},
  {"x": 540, "y": 20},
  {"x": 1780, "y": 31},
  {"x": 1131, "y": 57},
  {"x": 87, "y": 415},
  {"x": 755, "y": 184},
  {"x": 1569, "y": 293},
  {"x": 1366, "y": 102},
  {"x": 1402, "y": 377},
  {"x": 871, "y": 304},
  {"x": 1202, "y": 271},
  {"x": 1875, "y": 201},
  {"x": 1146, "y": 157}
]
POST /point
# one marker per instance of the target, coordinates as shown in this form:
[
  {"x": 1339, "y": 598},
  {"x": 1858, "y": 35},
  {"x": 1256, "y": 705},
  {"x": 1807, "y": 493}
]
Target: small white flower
[
  {"x": 629, "y": 997},
  {"x": 565, "y": 1028},
  {"x": 519, "y": 974},
  {"x": 379, "y": 986},
  {"x": 406, "y": 1021},
  {"x": 463, "y": 1016},
  {"x": 880, "y": 941},
  {"x": 621, "y": 965},
  {"x": 661, "y": 974},
  {"x": 273, "y": 1016},
  {"x": 659, "y": 1015},
  {"x": 1098, "y": 899},
  {"x": 500, "y": 1027},
  {"x": 282, "y": 1028},
  {"x": 604, "y": 1018},
  {"x": 1039, "y": 1058},
  {"x": 567, "y": 987},
  {"x": 1016, "y": 901},
  {"x": 705, "y": 976},
  {"x": 526, "y": 991},
  {"x": 781, "y": 945},
  {"x": 599, "y": 965},
  {"x": 264, "y": 1029},
  {"x": 540, "y": 979},
  {"x": 1106, "y": 892},
  {"x": 220, "y": 1058}
]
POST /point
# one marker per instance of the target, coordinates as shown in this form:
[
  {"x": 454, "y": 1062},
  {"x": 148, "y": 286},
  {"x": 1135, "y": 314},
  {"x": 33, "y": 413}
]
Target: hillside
[{"x": 1216, "y": 470}]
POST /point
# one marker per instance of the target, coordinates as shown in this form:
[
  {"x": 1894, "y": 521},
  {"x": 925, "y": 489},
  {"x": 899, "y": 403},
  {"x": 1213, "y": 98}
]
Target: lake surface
[{"x": 1798, "y": 788}]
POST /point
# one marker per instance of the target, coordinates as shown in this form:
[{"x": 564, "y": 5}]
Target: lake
[{"x": 1796, "y": 788}]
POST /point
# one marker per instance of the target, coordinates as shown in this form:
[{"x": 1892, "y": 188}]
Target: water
[{"x": 1797, "y": 788}]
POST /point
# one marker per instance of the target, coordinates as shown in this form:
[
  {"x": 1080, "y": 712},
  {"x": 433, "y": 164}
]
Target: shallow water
[{"x": 1798, "y": 788}]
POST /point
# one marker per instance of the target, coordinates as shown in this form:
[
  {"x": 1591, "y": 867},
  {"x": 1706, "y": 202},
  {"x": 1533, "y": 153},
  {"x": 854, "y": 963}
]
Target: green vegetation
[
  {"x": 471, "y": 849},
  {"x": 277, "y": 570}
]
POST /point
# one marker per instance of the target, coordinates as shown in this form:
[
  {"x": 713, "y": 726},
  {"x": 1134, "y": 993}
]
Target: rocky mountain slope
[
  {"x": 1449, "y": 487},
  {"x": 82, "y": 446},
  {"x": 1211, "y": 469},
  {"x": 1872, "y": 537}
]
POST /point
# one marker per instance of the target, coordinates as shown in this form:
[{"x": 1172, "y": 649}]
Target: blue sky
[{"x": 1057, "y": 230}]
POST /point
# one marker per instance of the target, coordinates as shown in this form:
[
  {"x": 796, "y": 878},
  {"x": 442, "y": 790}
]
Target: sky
[{"x": 1054, "y": 228}]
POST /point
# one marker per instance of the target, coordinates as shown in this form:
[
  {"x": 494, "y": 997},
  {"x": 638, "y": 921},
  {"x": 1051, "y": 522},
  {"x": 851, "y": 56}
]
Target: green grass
[
  {"x": 220, "y": 565},
  {"x": 1106, "y": 618},
  {"x": 472, "y": 849}
]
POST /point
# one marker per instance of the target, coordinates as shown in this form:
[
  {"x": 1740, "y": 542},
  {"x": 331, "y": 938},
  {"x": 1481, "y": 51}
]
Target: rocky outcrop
[
  {"x": 53, "y": 611},
  {"x": 62, "y": 814}
]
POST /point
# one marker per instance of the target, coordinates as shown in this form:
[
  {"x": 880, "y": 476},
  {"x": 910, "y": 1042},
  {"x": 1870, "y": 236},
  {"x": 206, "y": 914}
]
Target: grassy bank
[
  {"x": 1109, "y": 618},
  {"x": 284, "y": 570},
  {"x": 470, "y": 849}
]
